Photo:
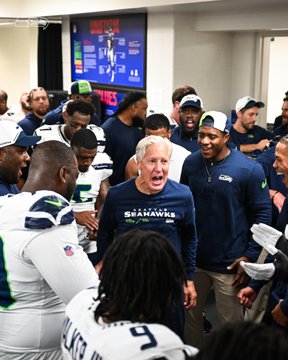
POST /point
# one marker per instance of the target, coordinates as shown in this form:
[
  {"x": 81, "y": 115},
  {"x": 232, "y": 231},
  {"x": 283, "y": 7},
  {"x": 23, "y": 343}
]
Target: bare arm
[
  {"x": 104, "y": 187},
  {"x": 131, "y": 170}
]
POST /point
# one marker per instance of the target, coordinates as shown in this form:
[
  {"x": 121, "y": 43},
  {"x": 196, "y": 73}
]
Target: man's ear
[
  {"x": 226, "y": 137},
  {"x": 63, "y": 174},
  {"x": 65, "y": 116}
]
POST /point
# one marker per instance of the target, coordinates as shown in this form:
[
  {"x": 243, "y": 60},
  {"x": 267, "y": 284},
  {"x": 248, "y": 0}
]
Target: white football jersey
[
  {"x": 84, "y": 198},
  {"x": 41, "y": 268},
  {"x": 84, "y": 338},
  {"x": 102, "y": 164},
  {"x": 56, "y": 132}
]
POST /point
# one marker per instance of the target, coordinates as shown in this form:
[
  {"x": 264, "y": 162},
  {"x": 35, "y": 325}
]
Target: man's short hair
[
  {"x": 180, "y": 92},
  {"x": 83, "y": 107},
  {"x": 84, "y": 138},
  {"x": 156, "y": 121}
]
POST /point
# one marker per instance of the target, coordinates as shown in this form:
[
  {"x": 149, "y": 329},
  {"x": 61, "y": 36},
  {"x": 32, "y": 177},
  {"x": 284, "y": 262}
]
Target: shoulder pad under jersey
[
  {"x": 100, "y": 135},
  {"x": 49, "y": 211}
]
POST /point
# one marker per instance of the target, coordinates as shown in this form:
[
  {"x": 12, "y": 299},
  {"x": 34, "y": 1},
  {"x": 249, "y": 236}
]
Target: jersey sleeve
[
  {"x": 61, "y": 261},
  {"x": 49, "y": 211}
]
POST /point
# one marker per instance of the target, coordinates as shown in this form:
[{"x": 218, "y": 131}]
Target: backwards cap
[{"x": 217, "y": 120}]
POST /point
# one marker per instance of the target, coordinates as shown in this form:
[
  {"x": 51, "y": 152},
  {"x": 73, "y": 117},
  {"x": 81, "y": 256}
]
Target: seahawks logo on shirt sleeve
[{"x": 47, "y": 212}]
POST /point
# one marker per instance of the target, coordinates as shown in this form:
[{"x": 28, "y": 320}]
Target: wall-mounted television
[{"x": 110, "y": 50}]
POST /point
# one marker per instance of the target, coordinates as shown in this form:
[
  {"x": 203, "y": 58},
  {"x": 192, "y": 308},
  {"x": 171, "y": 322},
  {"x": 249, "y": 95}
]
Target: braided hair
[
  {"x": 142, "y": 275},
  {"x": 129, "y": 99}
]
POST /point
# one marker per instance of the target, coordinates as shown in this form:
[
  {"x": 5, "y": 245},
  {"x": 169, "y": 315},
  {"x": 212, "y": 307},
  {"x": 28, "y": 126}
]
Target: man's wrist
[{"x": 273, "y": 196}]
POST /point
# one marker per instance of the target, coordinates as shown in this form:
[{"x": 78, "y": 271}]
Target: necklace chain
[{"x": 209, "y": 175}]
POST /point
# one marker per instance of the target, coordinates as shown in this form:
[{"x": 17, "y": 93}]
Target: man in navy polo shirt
[
  {"x": 191, "y": 109},
  {"x": 230, "y": 193}
]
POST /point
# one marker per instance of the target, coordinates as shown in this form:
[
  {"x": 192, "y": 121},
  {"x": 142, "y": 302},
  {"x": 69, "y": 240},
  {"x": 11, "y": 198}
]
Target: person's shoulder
[
  {"x": 102, "y": 161},
  {"x": 108, "y": 123},
  {"x": 119, "y": 189},
  {"x": 84, "y": 297},
  {"x": 178, "y": 188},
  {"x": 261, "y": 130},
  {"x": 167, "y": 345},
  {"x": 46, "y": 128},
  {"x": 47, "y": 132},
  {"x": 175, "y": 131},
  {"x": 239, "y": 161},
  {"x": 194, "y": 156},
  {"x": 47, "y": 209},
  {"x": 100, "y": 135},
  {"x": 181, "y": 150}
]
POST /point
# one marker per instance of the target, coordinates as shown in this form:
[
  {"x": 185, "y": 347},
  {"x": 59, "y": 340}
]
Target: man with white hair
[{"x": 153, "y": 202}]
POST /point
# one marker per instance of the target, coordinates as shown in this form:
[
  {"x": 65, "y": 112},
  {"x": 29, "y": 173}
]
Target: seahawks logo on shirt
[{"x": 47, "y": 212}]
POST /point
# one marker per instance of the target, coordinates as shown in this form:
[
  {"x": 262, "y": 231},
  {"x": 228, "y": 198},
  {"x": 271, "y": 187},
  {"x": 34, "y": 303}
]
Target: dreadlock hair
[
  {"x": 142, "y": 275},
  {"x": 244, "y": 340},
  {"x": 156, "y": 121},
  {"x": 129, "y": 99},
  {"x": 84, "y": 138}
]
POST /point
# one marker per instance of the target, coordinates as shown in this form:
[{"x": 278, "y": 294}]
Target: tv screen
[{"x": 110, "y": 50}]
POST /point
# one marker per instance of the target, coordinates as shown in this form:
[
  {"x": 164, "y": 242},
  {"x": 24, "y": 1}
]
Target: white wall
[
  {"x": 18, "y": 60},
  {"x": 220, "y": 65},
  {"x": 160, "y": 62},
  {"x": 66, "y": 54},
  {"x": 278, "y": 76}
]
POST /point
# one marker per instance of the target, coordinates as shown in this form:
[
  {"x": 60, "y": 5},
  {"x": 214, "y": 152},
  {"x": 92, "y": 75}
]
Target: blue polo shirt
[
  {"x": 189, "y": 143},
  {"x": 7, "y": 188}
]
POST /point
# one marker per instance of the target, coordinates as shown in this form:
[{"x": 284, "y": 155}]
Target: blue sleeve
[
  {"x": 53, "y": 117},
  {"x": 256, "y": 285},
  {"x": 259, "y": 206},
  {"x": 47, "y": 212},
  {"x": 107, "y": 226},
  {"x": 189, "y": 238}
]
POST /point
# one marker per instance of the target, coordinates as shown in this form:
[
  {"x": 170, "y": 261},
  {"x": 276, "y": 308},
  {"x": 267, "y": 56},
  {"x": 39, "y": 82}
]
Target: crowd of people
[{"x": 114, "y": 233}]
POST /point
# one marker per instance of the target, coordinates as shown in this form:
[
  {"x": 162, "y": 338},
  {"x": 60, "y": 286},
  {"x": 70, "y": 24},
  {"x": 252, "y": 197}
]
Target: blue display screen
[{"x": 110, "y": 50}]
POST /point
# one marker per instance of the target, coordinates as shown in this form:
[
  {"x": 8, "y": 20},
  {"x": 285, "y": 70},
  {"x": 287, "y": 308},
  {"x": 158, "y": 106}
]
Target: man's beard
[{"x": 137, "y": 122}]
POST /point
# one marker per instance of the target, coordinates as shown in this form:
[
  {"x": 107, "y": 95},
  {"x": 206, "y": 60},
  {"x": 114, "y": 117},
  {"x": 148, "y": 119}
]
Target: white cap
[
  {"x": 12, "y": 134},
  {"x": 191, "y": 100},
  {"x": 247, "y": 102},
  {"x": 217, "y": 120}
]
